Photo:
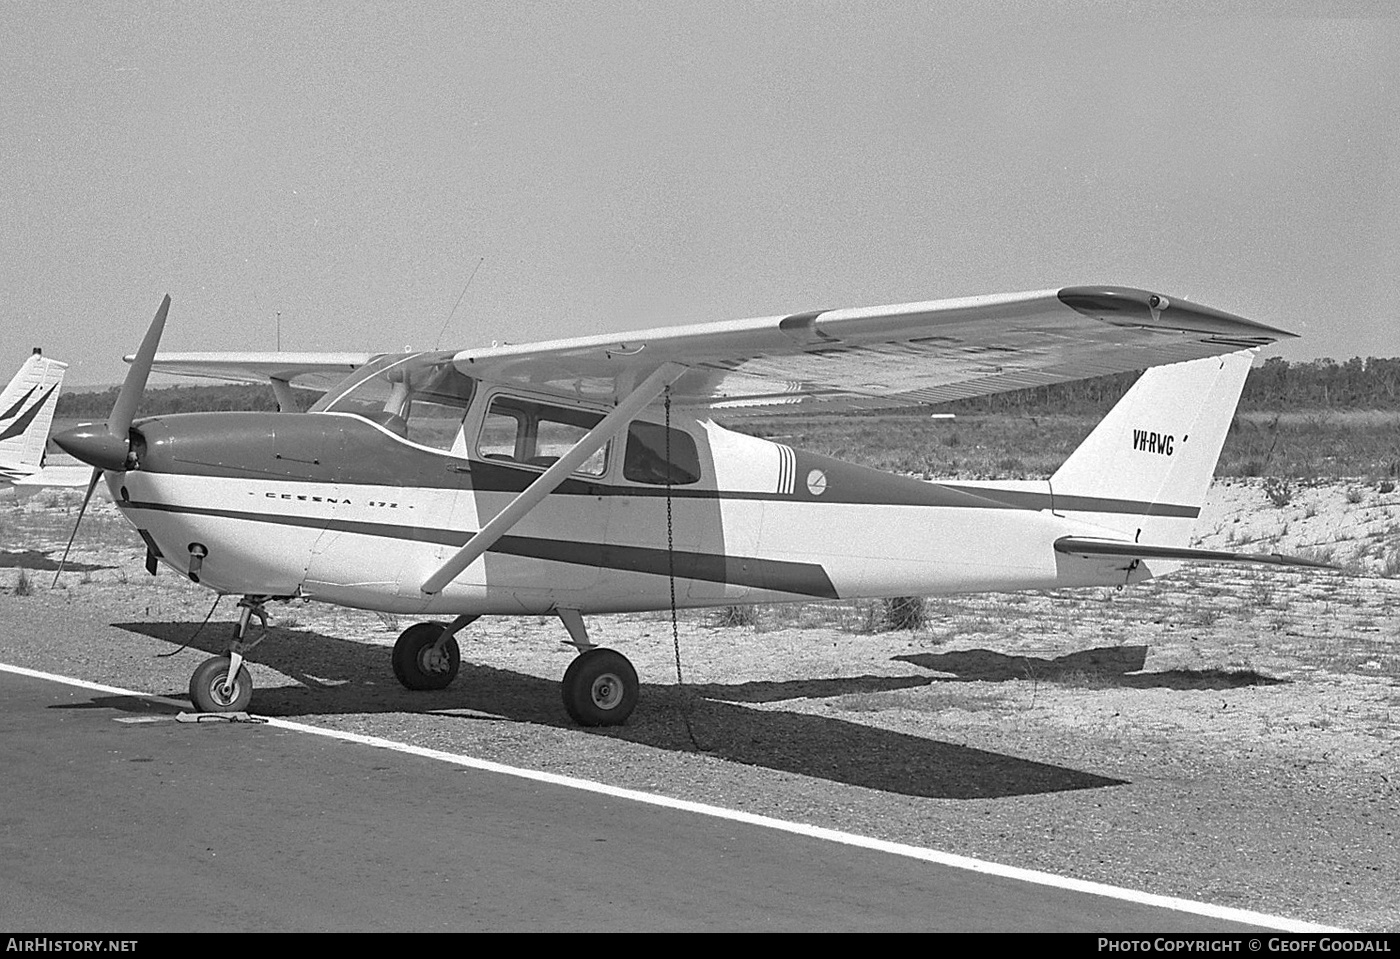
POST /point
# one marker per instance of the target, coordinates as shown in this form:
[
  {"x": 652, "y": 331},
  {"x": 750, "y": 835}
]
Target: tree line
[
  {"x": 1276, "y": 385},
  {"x": 179, "y": 399}
]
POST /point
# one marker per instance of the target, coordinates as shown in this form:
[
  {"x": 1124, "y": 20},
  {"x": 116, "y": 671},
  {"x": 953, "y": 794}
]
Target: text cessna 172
[
  {"x": 587, "y": 475},
  {"x": 26, "y": 412}
]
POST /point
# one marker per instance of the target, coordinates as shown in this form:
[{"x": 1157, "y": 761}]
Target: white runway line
[{"x": 1225, "y": 913}]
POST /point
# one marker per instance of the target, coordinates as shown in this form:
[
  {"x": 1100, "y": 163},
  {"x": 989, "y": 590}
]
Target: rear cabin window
[
  {"x": 516, "y": 430},
  {"x": 645, "y": 460}
]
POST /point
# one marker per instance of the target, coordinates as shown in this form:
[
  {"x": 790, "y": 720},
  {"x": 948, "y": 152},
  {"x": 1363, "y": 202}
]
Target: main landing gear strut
[{"x": 600, "y": 687}]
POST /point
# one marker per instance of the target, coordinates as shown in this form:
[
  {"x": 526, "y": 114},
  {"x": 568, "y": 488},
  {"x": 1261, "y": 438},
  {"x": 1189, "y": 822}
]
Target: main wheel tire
[
  {"x": 415, "y": 663},
  {"x": 600, "y": 688},
  {"x": 207, "y": 691}
]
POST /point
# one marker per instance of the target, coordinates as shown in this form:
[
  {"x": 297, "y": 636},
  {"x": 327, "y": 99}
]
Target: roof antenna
[{"x": 438, "y": 344}]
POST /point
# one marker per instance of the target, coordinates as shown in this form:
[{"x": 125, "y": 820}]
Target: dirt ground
[{"x": 1227, "y": 733}]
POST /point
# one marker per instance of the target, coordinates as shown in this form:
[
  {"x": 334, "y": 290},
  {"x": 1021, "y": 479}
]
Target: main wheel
[
  {"x": 600, "y": 688},
  {"x": 417, "y": 665},
  {"x": 207, "y": 691}
]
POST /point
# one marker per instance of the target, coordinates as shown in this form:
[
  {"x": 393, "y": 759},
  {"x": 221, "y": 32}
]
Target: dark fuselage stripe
[
  {"x": 865, "y": 488},
  {"x": 806, "y": 579},
  {"x": 953, "y": 495},
  {"x": 1059, "y": 502}
]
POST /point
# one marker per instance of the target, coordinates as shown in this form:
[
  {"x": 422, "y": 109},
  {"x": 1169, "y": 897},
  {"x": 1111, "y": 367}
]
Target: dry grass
[
  {"x": 732, "y": 617},
  {"x": 904, "y": 612}
]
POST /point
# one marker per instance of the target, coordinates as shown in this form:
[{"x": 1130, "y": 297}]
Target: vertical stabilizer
[
  {"x": 1144, "y": 471},
  {"x": 26, "y": 413}
]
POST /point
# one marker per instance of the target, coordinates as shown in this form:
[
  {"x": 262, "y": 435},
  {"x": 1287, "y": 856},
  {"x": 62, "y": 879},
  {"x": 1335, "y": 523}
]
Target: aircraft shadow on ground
[
  {"x": 38, "y": 559},
  {"x": 1109, "y": 666},
  {"x": 343, "y": 677}
]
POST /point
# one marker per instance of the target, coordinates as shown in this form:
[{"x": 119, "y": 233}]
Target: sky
[{"x": 327, "y": 176}]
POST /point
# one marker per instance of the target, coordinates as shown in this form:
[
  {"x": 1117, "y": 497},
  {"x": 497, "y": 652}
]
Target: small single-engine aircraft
[
  {"x": 587, "y": 475},
  {"x": 26, "y": 413}
]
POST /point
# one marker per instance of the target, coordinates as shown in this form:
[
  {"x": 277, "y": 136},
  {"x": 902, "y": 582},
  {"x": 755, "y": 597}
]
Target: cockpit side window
[
  {"x": 435, "y": 424},
  {"x": 645, "y": 459},
  {"x": 521, "y": 431}
]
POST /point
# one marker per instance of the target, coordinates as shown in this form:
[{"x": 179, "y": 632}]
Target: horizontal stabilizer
[{"x": 1087, "y": 546}]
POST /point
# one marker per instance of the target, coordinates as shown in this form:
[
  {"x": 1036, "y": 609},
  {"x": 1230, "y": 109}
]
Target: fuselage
[{"x": 335, "y": 507}]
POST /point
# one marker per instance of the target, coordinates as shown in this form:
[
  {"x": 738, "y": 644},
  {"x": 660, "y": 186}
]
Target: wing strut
[
  {"x": 532, "y": 495},
  {"x": 282, "y": 391}
]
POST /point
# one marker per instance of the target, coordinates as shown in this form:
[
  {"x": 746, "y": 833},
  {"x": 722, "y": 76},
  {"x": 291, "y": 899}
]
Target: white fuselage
[{"x": 764, "y": 523}]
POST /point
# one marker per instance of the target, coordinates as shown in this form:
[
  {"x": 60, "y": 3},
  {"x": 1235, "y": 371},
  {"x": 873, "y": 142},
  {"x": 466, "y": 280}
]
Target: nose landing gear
[
  {"x": 221, "y": 684},
  {"x": 211, "y": 691}
]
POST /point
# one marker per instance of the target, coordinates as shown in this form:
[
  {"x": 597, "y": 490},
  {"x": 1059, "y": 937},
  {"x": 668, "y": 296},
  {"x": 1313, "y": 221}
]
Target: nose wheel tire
[
  {"x": 600, "y": 688},
  {"x": 418, "y": 665},
  {"x": 210, "y": 691}
]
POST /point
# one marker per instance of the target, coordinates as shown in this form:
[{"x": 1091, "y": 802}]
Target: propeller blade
[
  {"x": 108, "y": 448},
  {"x": 92, "y": 485},
  {"x": 124, "y": 409}
]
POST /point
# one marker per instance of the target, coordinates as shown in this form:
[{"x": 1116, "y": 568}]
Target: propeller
[
  {"x": 92, "y": 485},
  {"x": 109, "y": 448}
]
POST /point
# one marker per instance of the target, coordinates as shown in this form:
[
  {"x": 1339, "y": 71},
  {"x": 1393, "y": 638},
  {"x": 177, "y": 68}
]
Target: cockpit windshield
[{"x": 419, "y": 396}]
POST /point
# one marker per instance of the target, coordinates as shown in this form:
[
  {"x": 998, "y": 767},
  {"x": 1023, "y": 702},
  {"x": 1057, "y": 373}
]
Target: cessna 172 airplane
[
  {"x": 26, "y": 413},
  {"x": 587, "y": 475}
]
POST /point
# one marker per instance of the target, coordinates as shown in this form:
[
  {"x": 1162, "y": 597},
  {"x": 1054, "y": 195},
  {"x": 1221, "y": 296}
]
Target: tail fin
[
  {"x": 26, "y": 413},
  {"x": 1144, "y": 470}
]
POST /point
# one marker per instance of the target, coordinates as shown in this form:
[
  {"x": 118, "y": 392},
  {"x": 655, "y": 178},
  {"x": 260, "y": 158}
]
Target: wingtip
[{"x": 1123, "y": 305}]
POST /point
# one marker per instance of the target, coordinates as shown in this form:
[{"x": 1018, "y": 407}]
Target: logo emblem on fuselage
[{"x": 816, "y": 482}]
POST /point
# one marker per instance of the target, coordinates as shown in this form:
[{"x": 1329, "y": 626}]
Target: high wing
[
  {"x": 312, "y": 371},
  {"x": 883, "y": 357}
]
